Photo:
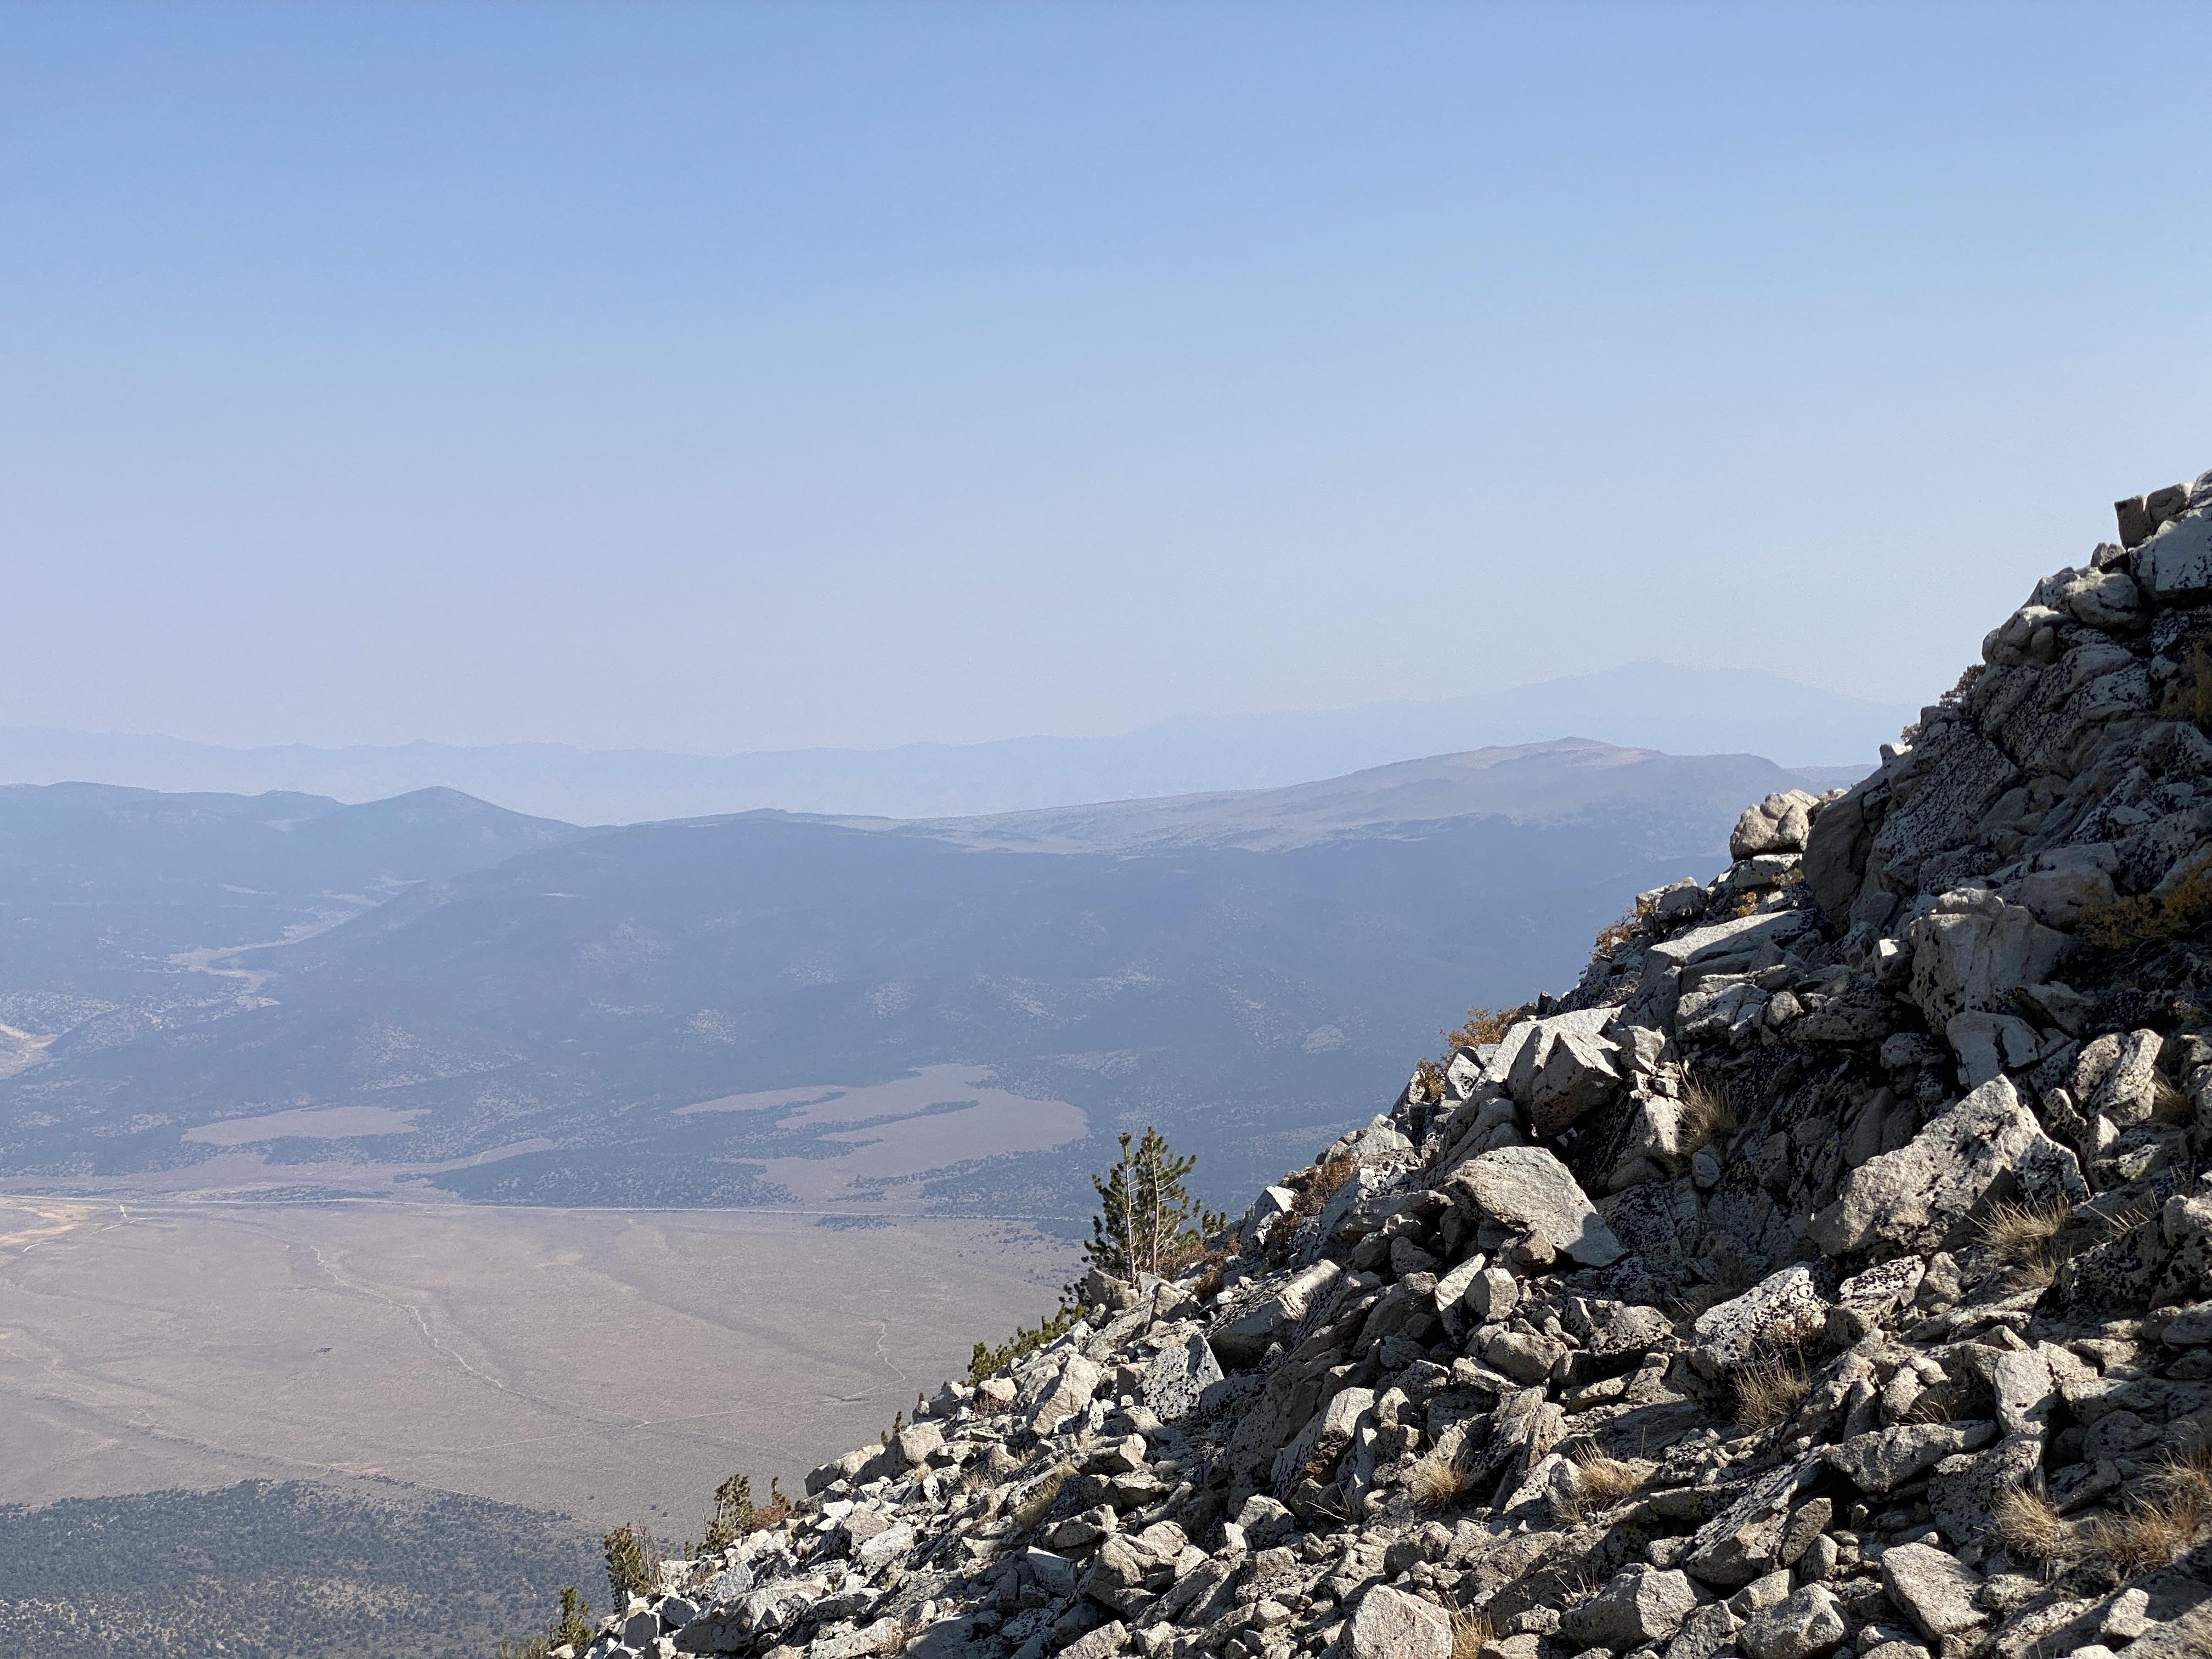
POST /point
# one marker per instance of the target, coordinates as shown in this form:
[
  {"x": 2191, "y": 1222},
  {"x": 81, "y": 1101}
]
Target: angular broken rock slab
[
  {"x": 1743, "y": 1541},
  {"x": 1915, "y": 1197},
  {"x": 1392, "y": 1624},
  {"x": 1884, "y": 1458},
  {"x": 1639, "y": 1605},
  {"x": 1807, "y": 1622},
  {"x": 1527, "y": 1189},
  {"x": 1784, "y": 1310},
  {"x": 1931, "y": 1589},
  {"x": 1178, "y": 1376}
]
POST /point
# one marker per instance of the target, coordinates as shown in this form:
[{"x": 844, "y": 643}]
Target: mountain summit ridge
[{"x": 1829, "y": 1271}]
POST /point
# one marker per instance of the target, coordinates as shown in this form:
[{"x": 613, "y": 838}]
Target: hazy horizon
[{"x": 765, "y": 377}]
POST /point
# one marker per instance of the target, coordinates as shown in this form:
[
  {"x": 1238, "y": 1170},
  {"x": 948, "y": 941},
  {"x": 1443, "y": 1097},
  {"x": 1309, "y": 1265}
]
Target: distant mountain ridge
[
  {"x": 1676, "y": 710},
  {"x": 619, "y": 1016}
]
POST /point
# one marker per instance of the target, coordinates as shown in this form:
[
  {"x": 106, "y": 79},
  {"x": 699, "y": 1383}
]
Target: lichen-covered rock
[
  {"x": 1930, "y": 1588},
  {"x": 1805, "y": 1623},
  {"x": 1640, "y": 1605},
  {"x": 1989, "y": 1145},
  {"x": 1392, "y": 1624}
]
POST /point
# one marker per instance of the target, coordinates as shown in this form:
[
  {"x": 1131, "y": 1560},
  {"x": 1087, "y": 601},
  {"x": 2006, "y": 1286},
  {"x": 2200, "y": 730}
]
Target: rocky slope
[{"x": 1828, "y": 1274}]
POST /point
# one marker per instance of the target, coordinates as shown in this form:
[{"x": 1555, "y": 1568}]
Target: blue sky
[{"x": 737, "y": 376}]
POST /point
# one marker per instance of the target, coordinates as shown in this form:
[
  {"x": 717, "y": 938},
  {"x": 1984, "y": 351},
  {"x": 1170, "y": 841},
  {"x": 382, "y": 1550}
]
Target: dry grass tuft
[
  {"x": 2184, "y": 1485},
  {"x": 2169, "y": 1520},
  {"x": 1768, "y": 1393},
  {"x": 2029, "y": 1527},
  {"x": 1438, "y": 1482},
  {"x": 2139, "y": 1540},
  {"x": 2168, "y": 1103},
  {"x": 1471, "y": 1633},
  {"x": 1603, "y": 1480},
  {"x": 2020, "y": 1237},
  {"x": 1706, "y": 1115},
  {"x": 1034, "y": 1507}
]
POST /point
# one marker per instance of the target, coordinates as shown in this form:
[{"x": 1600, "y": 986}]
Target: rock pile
[{"x": 1828, "y": 1275}]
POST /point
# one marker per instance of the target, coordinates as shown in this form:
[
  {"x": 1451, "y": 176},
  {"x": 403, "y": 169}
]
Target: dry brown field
[{"x": 613, "y": 1364}]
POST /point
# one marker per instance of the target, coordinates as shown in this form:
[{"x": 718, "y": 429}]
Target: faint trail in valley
[{"x": 882, "y": 1330}]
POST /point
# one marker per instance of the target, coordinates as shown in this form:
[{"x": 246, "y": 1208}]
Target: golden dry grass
[
  {"x": 1768, "y": 1392},
  {"x": 2167, "y": 1521},
  {"x": 1471, "y": 1633},
  {"x": 2168, "y": 1103},
  {"x": 1603, "y": 1480},
  {"x": 2134, "y": 917},
  {"x": 2020, "y": 1237},
  {"x": 1438, "y": 1482},
  {"x": 1034, "y": 1507},
  {"x": 2139, "y": 1540},
  {"x": 2029, "y": 1527},
  {"x": 1706, "y": 1115}
]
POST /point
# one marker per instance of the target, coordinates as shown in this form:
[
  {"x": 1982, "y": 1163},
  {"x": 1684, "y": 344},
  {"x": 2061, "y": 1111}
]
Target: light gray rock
[
  {"x": 1973, "y": 950},
  {"x": 2190, "y": 1327},
  {"x": 1527, "y": 1189},
  {"x": 1704, "y": 1633},
  {"x": 1562, "y": 1067},
  {"x": 915, "y": 1443},
  {"x": 886, "y": 1545},
  {"x": 1055, "y": 1574},
  {"x": 1931, "y": 1589},
  {"x": 2061, "y": 882},
  {"x": 1915, "y": 1197},
  {"x": 2177, "y": 561},
  {"x": 1780, "y": 824},
  {"x": 1963, "y": 1491},
  {"x": 2116, "y": 1077},
  {"x": 1641, "y": 1604},
  {"x": 1392, "y": 1624},
  {"x": 1987, "y": 1045},
  {"x": 859, "y": 1642},
  {"x": 1061, "y": 1393},
  {"x": 2128, "y": 1617},
  {"x": 1740, "y": 939},
  {"x": 1807, "y": 1622},
  {"x": 1107, "y": 1639},
  {"x": 1526, "y": 1357},
  {"x": 1883, "y": 1458},
  {"x": 1784, "y": 1310},
  {"x": 1742, "y": 1542},
  {"x": 1492, "y": 1294},
  {"x": 1178, "y": 1375},
  {"x": 1880, "y": 1291}
]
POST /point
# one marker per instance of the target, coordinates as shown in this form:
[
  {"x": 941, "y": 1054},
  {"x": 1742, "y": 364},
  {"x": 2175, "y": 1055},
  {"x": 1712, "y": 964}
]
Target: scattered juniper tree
[
  {"x": 1147, "y": 1221},
  {"x": 733, "y": 1513},
  {"x": 633, "y": 1563}
]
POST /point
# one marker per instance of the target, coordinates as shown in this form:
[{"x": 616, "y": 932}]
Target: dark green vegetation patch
[{"x": 282, "y": 1571}]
